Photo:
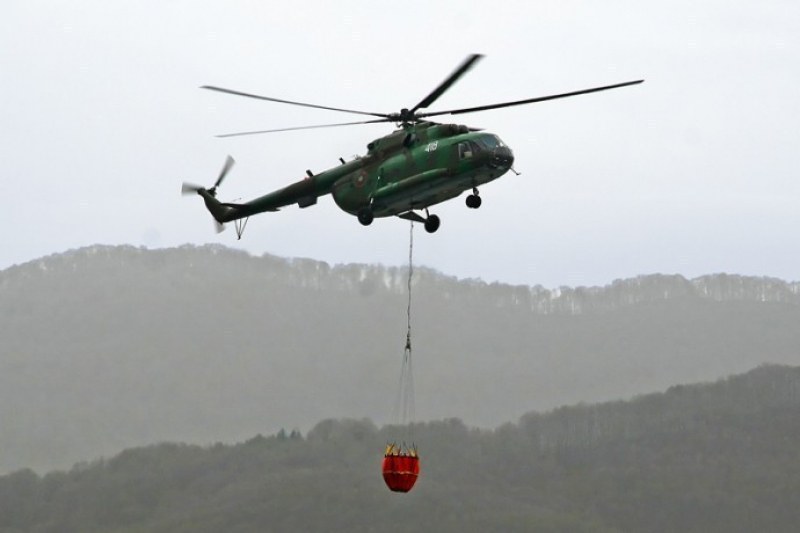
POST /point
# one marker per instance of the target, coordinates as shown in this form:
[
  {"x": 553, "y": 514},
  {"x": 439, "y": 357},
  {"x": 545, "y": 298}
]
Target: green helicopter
[{"x": 419, "y": 165}]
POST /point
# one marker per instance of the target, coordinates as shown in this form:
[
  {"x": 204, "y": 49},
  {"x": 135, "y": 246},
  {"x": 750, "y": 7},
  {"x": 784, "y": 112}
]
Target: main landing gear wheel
[
  {"x": 432, "y": 223},
  {"x": 473, "y": 201},
  {"x": 366, "y": 217}
]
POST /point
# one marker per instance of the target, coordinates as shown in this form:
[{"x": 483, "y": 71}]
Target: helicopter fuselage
[{"x": 412, "y": 168}]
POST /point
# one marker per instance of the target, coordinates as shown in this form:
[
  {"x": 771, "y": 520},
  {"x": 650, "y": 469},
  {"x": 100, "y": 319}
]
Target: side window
[{"x": 464, "y": 150}]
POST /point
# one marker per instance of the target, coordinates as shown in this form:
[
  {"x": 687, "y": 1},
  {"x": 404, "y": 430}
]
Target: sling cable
[{"x": 401, "y": 461}]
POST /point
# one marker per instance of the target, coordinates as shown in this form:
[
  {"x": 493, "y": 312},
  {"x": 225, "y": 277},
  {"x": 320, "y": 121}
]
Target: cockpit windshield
[
  {"x": 483, "y": 143},
  {"x": 489, "y": 141}
]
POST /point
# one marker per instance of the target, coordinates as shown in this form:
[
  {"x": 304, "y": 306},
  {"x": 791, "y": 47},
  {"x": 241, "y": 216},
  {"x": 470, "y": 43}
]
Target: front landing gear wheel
[
  {"x": 366, "y": 217},
  {"x": 432, "y": 223},
  {"x": 474, "y": 201}
]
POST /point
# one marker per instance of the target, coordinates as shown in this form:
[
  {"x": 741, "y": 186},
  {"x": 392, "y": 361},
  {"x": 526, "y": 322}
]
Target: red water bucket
[{"x": 400, "y": 472}]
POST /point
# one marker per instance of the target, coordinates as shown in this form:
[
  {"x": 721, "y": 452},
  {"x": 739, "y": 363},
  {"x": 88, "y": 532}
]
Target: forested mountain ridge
[
  {"x": 311, "y": 274},
  {"x": 105, "y": 348},
  {"x": 708, "y": 457}
]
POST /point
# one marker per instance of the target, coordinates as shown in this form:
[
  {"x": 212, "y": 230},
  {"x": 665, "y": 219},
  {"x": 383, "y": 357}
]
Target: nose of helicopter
[{"x": 503, "y": 157}]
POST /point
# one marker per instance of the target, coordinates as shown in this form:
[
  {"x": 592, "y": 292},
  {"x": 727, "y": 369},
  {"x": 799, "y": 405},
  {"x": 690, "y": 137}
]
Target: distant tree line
[
  {"x": 711, "y": 457},
  {"x": 366, "y": 279}
]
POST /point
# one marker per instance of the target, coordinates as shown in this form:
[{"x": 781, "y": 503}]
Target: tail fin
[{"x": 222, "y": 213}]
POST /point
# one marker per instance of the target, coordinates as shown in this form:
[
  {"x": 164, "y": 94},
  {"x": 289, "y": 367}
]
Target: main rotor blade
[
  {"x": 259, "y": 97},
  {"x": 376, "y": 121},
  {"x": 446, "y": 84},
  {"x": 224, "y": 172},
  {"x": 528, "y": 101}
]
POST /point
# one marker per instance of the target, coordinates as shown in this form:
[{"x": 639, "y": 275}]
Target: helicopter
[{"x": 420, "y": 164}]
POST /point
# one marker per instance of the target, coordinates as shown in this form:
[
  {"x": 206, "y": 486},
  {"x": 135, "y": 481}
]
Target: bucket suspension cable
[
  {"x": 401, "y": 463},
  {"x": 404, "y": 407}
]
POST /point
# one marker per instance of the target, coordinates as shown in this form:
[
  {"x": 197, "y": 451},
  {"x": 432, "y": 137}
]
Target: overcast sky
[{"x": 693, "y": 172}]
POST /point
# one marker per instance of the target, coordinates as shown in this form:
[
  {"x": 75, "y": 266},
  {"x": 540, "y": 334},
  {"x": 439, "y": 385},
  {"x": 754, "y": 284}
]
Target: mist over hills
[
  {"x": 707, "y": 457},
  {"x": 105, "y": 348}
]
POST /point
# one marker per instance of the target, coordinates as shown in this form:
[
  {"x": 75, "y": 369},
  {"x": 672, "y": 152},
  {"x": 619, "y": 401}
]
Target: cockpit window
[
  {"x": 484, "y": 143},
  {"x": 489, "y": 142}
]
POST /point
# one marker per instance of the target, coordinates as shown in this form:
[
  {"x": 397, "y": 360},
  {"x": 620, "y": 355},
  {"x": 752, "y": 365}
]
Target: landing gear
[
  {"x": 473, "y": 200},
  {"x": 432, "y": 223},
  {"x": 365, "y": 216}
]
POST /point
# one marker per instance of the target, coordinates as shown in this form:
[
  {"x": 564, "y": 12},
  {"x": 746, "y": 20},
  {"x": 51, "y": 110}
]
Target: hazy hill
[
  {"x": 105, "y": 348},
  {"x": 714, "y": 457}
]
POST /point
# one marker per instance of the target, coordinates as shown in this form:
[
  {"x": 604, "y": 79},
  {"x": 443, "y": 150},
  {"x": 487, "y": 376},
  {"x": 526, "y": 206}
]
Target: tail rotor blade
[
  {"x": 189, "y": 188},
  {"x": 224, "y": 172}
]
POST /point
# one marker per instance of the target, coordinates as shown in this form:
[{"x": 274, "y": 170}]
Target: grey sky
[{"x": 693, "y": 172}]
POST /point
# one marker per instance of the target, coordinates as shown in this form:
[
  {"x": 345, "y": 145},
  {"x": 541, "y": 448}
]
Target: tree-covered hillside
[
  {"x": 710, "y": 457},
  {"x": 106, "y": 348}
]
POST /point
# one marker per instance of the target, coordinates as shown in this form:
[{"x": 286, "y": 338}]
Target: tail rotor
[{"x": 191, "y": 188}]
